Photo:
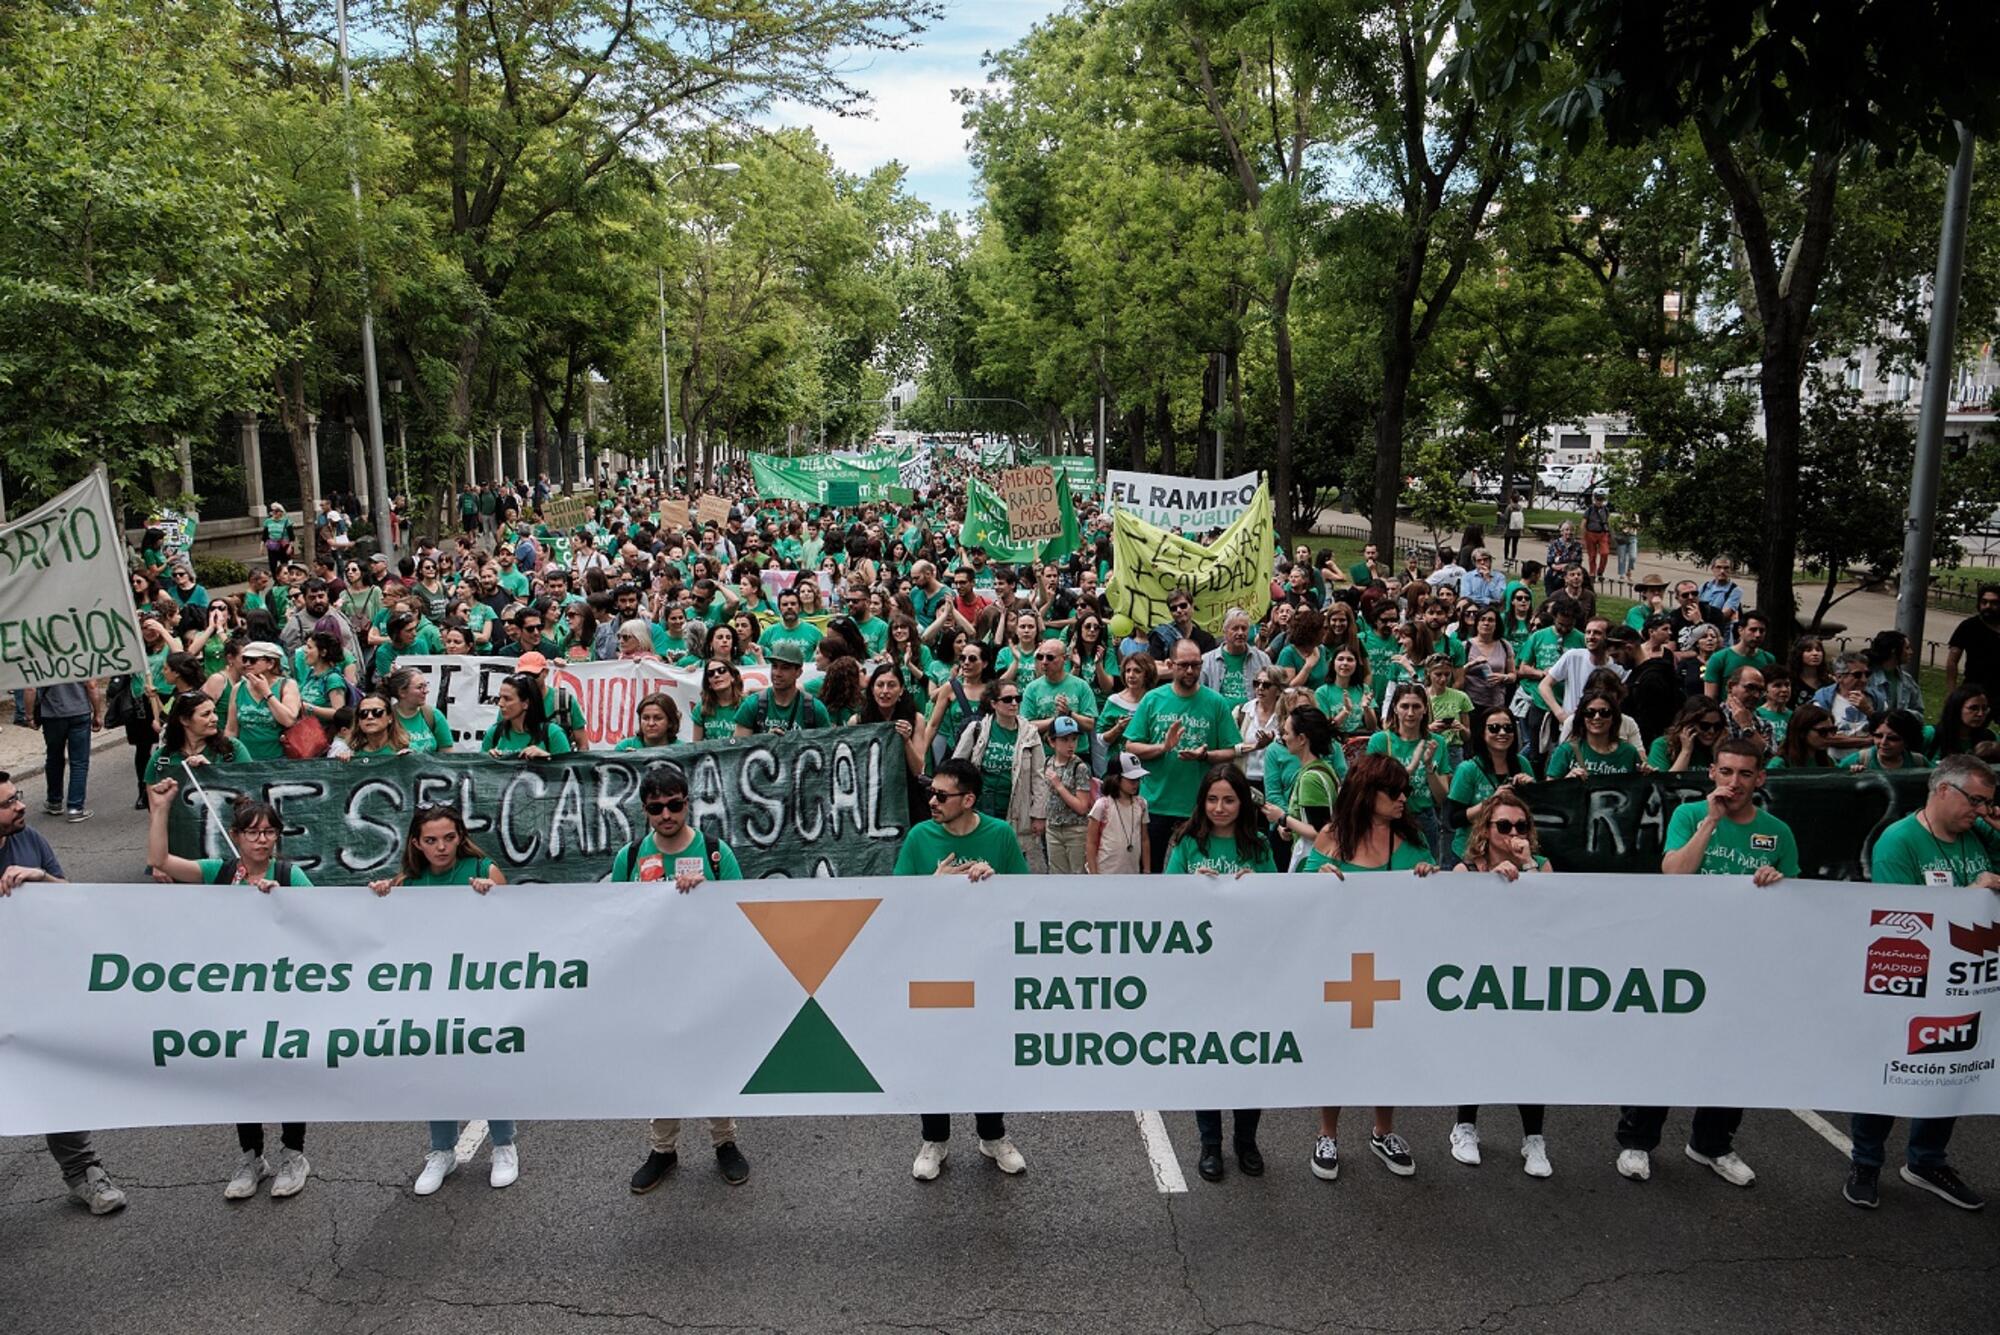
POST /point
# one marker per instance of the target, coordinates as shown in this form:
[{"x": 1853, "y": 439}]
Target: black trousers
[
  {"x": 250, "y": 1136},
  {"x": 1713, "y": 1134},
  {"x": 1208, "y": 1125},
  {"x": 990, "y": 1126},
  {"x": 1531, "y": 1118},
  {"x": 1160, "y": 833}
]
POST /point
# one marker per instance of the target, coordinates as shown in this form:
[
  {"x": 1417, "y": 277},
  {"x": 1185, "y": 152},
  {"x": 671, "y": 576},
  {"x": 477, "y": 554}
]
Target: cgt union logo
[
  {"x": 1944, "y": 1033},
  {"x": 1899, "y": 964}
]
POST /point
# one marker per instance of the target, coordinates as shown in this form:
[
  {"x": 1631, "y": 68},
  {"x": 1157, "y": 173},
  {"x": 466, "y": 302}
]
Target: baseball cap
[
  {"x": 787, "y": 651},
  {"x": 1129, "y": 766},
  {"x": 1064, "y": 727},
  {"x": 533, "y": 661}
]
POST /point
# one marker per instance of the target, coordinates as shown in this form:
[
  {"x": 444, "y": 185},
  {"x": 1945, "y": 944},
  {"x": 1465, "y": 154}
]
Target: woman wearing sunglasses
[
  {"x": 673, "y": 850},
  {"x": 1409, "y": 740},
  {"x": 439, "y": 851},
  {"x": 1371, "y": 829},
  {"x": 1689, "y": 741},
  {"x": 1501, "y": 841},
  {"x": 374, "y": 732},
  {"x": 1013, "y": 764},
  {"x": 1600, "y": 750},
  {"x": 1808, "y": 738},
  {"x": 962, "y": 695},
  {"x": 1493, "y": 766}
]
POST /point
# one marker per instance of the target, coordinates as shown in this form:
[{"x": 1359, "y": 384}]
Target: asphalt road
[{"x": 831, "y": 1234}]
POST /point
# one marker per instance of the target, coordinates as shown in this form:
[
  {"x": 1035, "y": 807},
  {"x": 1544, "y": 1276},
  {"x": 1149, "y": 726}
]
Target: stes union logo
[{"x": 1899, "y": 964}]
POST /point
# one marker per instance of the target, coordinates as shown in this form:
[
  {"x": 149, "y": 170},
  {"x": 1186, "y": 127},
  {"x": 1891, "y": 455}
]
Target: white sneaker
[
  {"x": 1729, "y": 1167},
  {"x": 290, "y": 1178},
  {"x": 1635, "y": 1164},
  {"x": 248, "y": 1174},
  {"x": 930, "y": 1158},
  {"x": 506, "y": 1165},
  {"x": 97, "y": 1191},
  {"x": 1003, "y": 1154},
  {"x": 1535, "y": 1152},
  {"x": 1465, "y": 1144},
  {"x": 438, "y": 1165}
]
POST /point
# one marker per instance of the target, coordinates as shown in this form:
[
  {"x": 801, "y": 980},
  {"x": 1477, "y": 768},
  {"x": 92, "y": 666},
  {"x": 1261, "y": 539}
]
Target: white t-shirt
[
  {"x": 1572, "y": 670},
  {"x": 1123, "y": 837}
]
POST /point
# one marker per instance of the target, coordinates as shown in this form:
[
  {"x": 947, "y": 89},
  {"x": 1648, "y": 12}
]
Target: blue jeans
[
  {"x": 1627, "y": 551},
  {"x": 1433, "y": 828},
  {"x": 444, "y": 1135},
  {"x": 1928, "y": 1138},
  {"x": 68, "y": 742}
]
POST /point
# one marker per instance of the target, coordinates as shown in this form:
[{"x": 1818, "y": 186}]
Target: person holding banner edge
[
  {"x": 959, "y": 841},
  {"x": 253, "y": 839},
  {"x": 439, "y": 851},
  {"x": 673, "y": 849}
]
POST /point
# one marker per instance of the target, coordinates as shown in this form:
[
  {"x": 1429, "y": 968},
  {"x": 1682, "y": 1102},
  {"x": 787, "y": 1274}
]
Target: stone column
[
  {"x": 499, "y": 469},
  {"x": 249, "y": 444},
  {"x": 471, "y": 465},
  {"x": 582, "y": 463},
  {"x": 521, "y": 454},
  {"x": 184, "y": 448},
  {"x": 312, "y": 457},
  {"x": 357, "y": 466}
]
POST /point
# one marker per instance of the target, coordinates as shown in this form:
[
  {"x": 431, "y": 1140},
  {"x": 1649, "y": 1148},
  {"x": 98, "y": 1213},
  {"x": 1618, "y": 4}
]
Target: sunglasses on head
[
  {"x": 673, "y": 804},
  {"x": 1511, "y": 826}
]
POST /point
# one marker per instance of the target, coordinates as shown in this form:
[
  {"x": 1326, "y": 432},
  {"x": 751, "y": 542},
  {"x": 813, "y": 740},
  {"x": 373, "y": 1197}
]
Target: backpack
[
  {"x": 632, "y": 856},
  {"x": 281, "y": 871}
]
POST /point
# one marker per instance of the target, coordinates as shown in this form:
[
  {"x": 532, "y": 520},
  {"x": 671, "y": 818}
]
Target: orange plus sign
[{"x": 1363, "y": 990}]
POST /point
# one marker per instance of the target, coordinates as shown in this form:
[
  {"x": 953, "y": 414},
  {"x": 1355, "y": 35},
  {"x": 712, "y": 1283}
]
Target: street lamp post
[
  {"x": 1507, "y": 416},
  {"x": 385, "y": 531},
  {"x": 666, "y": 462}
]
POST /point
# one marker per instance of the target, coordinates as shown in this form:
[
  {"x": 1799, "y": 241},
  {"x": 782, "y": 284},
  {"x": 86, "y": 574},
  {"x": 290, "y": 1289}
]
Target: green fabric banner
[
  {"x": 1079, "y": 470},
  {"x": 986, "y": 526},
  {"x": 804, "y": 479},
  {"x": 1618, "y": 824},
  {"x": 830, "y": 802}
]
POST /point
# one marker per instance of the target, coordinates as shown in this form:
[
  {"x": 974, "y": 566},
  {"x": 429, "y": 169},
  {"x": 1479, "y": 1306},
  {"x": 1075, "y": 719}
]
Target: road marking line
[
  {"x": 1828, "y": 1132},
  {"x": 1167, "y": 1175},
  {"x": 468, "y": 1144}
]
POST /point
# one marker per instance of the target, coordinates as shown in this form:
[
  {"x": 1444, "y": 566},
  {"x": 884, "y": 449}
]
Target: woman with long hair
[
  {"x": 577, "y": 636},
  {"x": 408, "y": 692},
  {"x": 374, "y": 731},
  {"x": 439, "y": 851},
  {"x": 721, "y": 698},
  {"x": 904, "y": 651},
  {"x": 1489, "y": 659},
  {"x": 1139, "y": 673},
  {"x": 887, "y": 700},
  {"x": 1302, "y": 776},
  {"x": 1407, "y": 736},
  {"x": 523, "y": 730},
  {"x": 722, "y": 644},
  {"x": 1493, "y": 765},
  {"x": 1221, "y": 839},
  {"x": 1809, "y": 668},
  {"x": 962, "y": 696},
  {"x": 840, "y": 691},
  {"x": 253, "y": 833},
  {"x": 1962, "y": 723},
  {"x": 1809, "y": 738},
  {"x": 1501, "y": 841},
  {"x": 1019, "y": 634},
  {"x": 1305, "y": 649},
  {"x": 1517, "y": 622},
  {"x": 748, "y": 628},
  {"x": 323, "y": 691},
  {"x": 1688, "y": 744},
  {"x": 1344, "y": 699},
  {"x": 1898, "y": 737},
  {"x": 1370, "y": 829},
  {"x": 1596, "y": 747},
  {"x": 192, "y": 736},
  {"x": 659, "y": 720},
  {"x": 1090, "y": 651}
]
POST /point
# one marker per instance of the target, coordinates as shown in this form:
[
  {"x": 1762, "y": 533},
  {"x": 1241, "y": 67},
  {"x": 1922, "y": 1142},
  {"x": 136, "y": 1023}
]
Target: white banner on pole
[
  {"x": 124, "y": 1005},
  {"x": 468, "y": 691},
  {"x": 1181, "y": 504},
  {"x": 65, "y": 593}
]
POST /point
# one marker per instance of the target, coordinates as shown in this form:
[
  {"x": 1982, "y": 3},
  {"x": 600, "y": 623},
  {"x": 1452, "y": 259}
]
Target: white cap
[{"x": 1129, "y": 766}]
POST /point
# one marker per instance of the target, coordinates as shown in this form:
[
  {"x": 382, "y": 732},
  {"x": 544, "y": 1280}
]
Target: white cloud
[{"x": 914, "y": 121}]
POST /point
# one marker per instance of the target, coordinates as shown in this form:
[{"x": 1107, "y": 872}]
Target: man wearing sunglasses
[
  {"x": 1178, "y": 732},
  {"x": 674, "y": 850},
  {"x": 1723, "y": 834},
  {"x": 960, "y": 841},
  {"x": 1944, "y": 843},
  {"x": 1056, "y": 692}
]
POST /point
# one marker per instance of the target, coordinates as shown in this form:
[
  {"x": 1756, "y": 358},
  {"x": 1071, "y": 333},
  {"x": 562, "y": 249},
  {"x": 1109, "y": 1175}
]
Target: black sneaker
[
  {"x": 654, "y": 1171},
  {"x": 1393, "y": 1151},
  {"x": 1942, "y": 1181},
  {"x": 1861, "y": 1186},
  {"x": 1209, "y": 1165},
  {"x": 735, "y": 1168},
  {"x": 1249, "y": 1158}
]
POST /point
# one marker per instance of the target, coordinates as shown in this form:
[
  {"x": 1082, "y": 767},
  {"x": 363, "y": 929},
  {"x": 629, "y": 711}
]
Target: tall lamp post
[
  {"x": 660, "y": 273},
  {"x": 1507, "y": 416},
  {"x": 378, "y": 501}
]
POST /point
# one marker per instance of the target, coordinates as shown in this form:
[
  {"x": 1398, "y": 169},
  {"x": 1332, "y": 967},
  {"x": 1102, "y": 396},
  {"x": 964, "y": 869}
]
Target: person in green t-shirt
[
  {"x": 1178, "y": 730},
  {"x": 409, "y": 694},
  {"x": 192, "y": 736},
  {"x": 672, "y": 849},
  {"x": 958, "y": 841},
  {"x": 253, "y": 832},
  {"x": 1944, "y": 843},
  {"x": 1748, "y": 651},
  {"x": 790, "y": 629},
  {"x": 523, "y": 729},
  {"x": 1727, "y": 833},
  {"x": 1407, "y": 736},
  {"x": 1056, "y": 692},
  {"x": 437, "y": 852},
  {"x": 1596, "y": 748},
  {"x": 659, "y": 720}
]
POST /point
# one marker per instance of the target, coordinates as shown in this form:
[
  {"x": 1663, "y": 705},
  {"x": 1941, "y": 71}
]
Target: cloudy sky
[{"x": 915, "y": 121}]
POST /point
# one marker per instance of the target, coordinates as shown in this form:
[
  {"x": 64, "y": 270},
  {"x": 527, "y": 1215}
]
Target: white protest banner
[
  {"x": 1180, "y": 504},
  {"x": 1034, "y": 512},
  {"x": 147, "y": 1005},
  {"x": 468, "y": 691},
  {"x": 65, "y": 597},
  {"x": 177, "y": 532}
]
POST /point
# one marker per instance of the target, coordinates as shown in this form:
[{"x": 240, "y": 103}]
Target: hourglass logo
[{"x": 809, "y": 937}]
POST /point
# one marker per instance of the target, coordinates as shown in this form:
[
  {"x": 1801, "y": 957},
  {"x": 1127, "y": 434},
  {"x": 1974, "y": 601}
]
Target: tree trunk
[
  {"x": 292, "y": 409},
  {"x": 1135, "y": 439},
  {"x": 1288, "y": 400},
  {"x": 1163, "y": 427},
  {"x": 1779, "y": 380},
  {"x": 1388, "y": 490}
]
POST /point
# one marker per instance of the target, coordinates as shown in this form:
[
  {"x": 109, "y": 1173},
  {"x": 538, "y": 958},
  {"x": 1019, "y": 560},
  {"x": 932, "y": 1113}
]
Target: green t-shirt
[
  {"x": 665, "y": 645},
  {"x": 1403, "y": 857},
  {"x": 762, "y": 713},
  {"x": 1723, "y": 663},
  {"x": 1386, "y": 743},
  {"x": 1332, "y": 699},
  {"x": 220, "y": 750},
  {"x": 991, "y": 842},
  {"x": 1621, "y": 759},
  {"x": 1471, "y": 784},
  {"x": 996, "y": 762},
  {"x": 507, "y": 740},
  {"x": 427, "y": 730},
  {"x": 1225, "y": 855},
  {"x": 1449, "y": 705},
  {"x": 1293, "y": 659},
  {"x": 1909, "y": 854},
  {"x": 1736, "y": 848},
  {"x": 1207, "y": 722},
  {"x": 460, "y": 872},
  {"x": 805, "y": 637},
  {"x": 1038, "y": 697},
  {"x": 1281, "y": 774},
  {"x": 1378, "y": 649},
  {"x": 656, "y": 865},
  {"x": 1315, "y": 785},
  {"x": 874, "y": 633},
  {"x": 1235, "y": 685},
  {"x": 1779, "y": 719},
  {"x": 717, "y": 722},
  {"x": 1660, "y": 755},
  {"x": 256, "y": 727},
  {"x": 211, "y": 872},
  {"x": 1867, "y": 759}
]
